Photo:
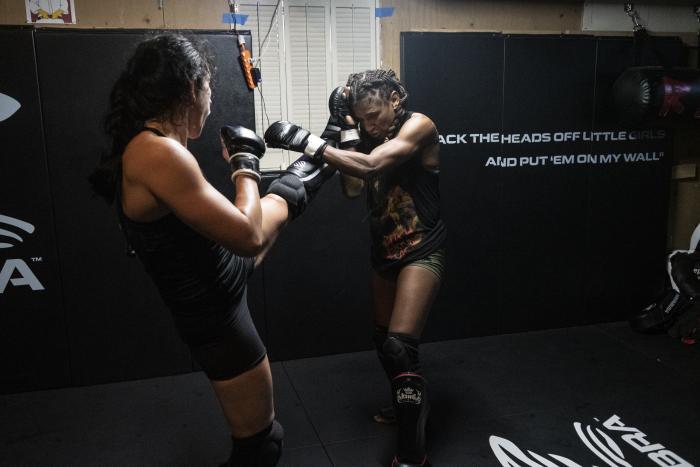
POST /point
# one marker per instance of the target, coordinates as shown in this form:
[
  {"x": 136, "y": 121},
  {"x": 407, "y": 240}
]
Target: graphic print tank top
[{"x": 404, "y": 211}]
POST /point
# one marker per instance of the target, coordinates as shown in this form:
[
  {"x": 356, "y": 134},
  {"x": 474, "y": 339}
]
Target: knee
[{"x": 399, "y": 354}]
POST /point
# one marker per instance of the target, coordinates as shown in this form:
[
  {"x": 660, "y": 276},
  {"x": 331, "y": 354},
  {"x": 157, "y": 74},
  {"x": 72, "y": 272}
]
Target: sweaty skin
[
  {"x": 160, "y": 175},
  {"x": 376, "y": 117}
]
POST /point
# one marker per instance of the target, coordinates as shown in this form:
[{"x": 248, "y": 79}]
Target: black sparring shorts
[{"x": 223, "y": 341}]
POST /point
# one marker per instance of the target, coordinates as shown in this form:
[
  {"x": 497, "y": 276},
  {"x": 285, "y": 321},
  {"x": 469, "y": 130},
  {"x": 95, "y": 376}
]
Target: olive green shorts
[{"x": 434, "y": 262}]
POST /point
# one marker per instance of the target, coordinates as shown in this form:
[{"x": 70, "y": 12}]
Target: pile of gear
[{"x": 677, "y": 310}]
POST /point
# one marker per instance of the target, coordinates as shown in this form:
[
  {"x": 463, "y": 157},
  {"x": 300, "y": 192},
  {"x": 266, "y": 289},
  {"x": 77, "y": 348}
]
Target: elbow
[
  {"x": 252, "y": 245},
  {"x": 255, "y": 245},
  {"x": 368, "y": 172}
]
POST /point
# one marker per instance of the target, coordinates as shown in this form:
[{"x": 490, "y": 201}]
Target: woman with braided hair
[{"x": 392, "y": 154}]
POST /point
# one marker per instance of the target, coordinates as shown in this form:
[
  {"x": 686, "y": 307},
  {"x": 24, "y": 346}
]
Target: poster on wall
[{"x": 50, "y": 11}]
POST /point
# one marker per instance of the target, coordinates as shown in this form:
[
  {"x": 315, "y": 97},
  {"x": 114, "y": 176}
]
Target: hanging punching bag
[{"x": 657, "y": 96}]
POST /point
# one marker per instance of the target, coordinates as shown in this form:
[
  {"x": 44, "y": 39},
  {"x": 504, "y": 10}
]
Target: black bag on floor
[
  {"x": 683, "y": 291},
  {"x": 659, "y": 315}
]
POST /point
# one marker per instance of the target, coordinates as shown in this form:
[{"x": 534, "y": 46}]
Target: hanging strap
[{"x": 642, "y": 41}]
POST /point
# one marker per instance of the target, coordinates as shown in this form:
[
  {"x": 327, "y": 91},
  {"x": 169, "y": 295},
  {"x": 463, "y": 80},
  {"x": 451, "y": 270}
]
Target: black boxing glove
[
  {"x": 246, "y": 149},
  {"x": 245, "y": 164},
  {"x": 339, "y": 109},
  {"x": 287, "y": 135},
  {"x": 331, "y": 134}
]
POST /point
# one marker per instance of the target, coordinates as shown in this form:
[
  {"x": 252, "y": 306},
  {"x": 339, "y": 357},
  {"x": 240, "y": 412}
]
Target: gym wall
[
  {"x": 537, "y": 240},
  {"x": 531, "y": 17},
  {"x": 98, "y": 318},
  {"x": 558, "y": 17},
  {"x": 74, "y": 308},
  {"x": 94, "y": 315},
  {"x": 33, "y": 337}
]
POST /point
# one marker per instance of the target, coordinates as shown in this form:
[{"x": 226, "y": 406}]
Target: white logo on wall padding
[
  {"x": 6, "y": 234},
  {"x": 16, "y": 271}
]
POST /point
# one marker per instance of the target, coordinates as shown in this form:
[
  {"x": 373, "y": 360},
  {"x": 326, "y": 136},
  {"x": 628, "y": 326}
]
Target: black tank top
[
  {"x": 404, "y": 211},
  {"x": 191, "y": 272}
]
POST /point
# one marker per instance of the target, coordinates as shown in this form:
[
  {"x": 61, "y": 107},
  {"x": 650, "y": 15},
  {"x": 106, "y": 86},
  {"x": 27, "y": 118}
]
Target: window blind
[{"x": 304, "y": 49}]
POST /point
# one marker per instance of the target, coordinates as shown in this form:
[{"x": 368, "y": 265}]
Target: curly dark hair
[
  {"x": 375, "y": 84},
  {"x": 154, "y": 85}
]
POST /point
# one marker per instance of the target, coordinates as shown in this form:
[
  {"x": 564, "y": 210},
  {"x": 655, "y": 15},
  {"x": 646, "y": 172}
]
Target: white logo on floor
[
  {"x": 16, "y": 271},
  {"x": 603, "y": 441},
  {"x": 8, "y": 106}
]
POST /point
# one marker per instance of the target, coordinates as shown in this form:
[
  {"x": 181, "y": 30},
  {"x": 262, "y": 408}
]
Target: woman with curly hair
[{"x": 198, "y": 247}]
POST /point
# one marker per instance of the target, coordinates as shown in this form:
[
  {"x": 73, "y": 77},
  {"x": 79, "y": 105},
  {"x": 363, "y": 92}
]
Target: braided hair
[
  {"x": 154, "y": 85},
  {"x": 380, "y": 84}
]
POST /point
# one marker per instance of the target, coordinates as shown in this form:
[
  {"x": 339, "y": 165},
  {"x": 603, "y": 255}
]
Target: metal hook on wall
[{"x": 632, "y": 13}]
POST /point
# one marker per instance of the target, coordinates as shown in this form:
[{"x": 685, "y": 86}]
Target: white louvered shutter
[
  {"x": 310, "y": 47},
  {"x": 354, "y": 40},
  {"x": 309, "y": 31},
  {"x": 266, "y": 26}
]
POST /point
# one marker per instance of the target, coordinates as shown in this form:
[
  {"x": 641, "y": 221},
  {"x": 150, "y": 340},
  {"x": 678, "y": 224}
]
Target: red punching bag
[{"x": 657, "y": 96}]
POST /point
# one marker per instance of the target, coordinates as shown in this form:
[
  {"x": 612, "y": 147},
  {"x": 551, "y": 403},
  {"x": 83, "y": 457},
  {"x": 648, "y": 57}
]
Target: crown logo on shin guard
[{"x": 408, "y": 396}]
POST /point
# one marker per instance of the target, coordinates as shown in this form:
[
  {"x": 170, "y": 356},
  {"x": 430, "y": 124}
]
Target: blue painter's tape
[
  {"x": 384, "y": 12},
  {"x": 232, "y": 18}
]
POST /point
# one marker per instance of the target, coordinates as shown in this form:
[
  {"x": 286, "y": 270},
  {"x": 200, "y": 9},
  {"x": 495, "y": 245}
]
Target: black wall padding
[
  {"x": 470, "y": 196},
  {"x": 33, "y": 341},
  {"x": 117, "y": 324},
  {"x": 628, "y": 205},
  {"x": 529, "y": 247},
  {"x": 537, "y": 246},
  {"x": 317, "y": 280},
  {"x": 548, "y": 87}
]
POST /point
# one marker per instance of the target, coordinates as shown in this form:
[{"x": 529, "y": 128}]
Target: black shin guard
[
  {"x": 410, "y": 398},
  {"x": 263, "y": 449},
  {"x": 399, "y": 356}
]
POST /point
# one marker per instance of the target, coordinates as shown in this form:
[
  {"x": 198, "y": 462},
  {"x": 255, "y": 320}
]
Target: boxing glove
[
  {"x": 339, "y": 109},
  {"x": 245, "y": 149},
  {"x": 286, "y": 135}
]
